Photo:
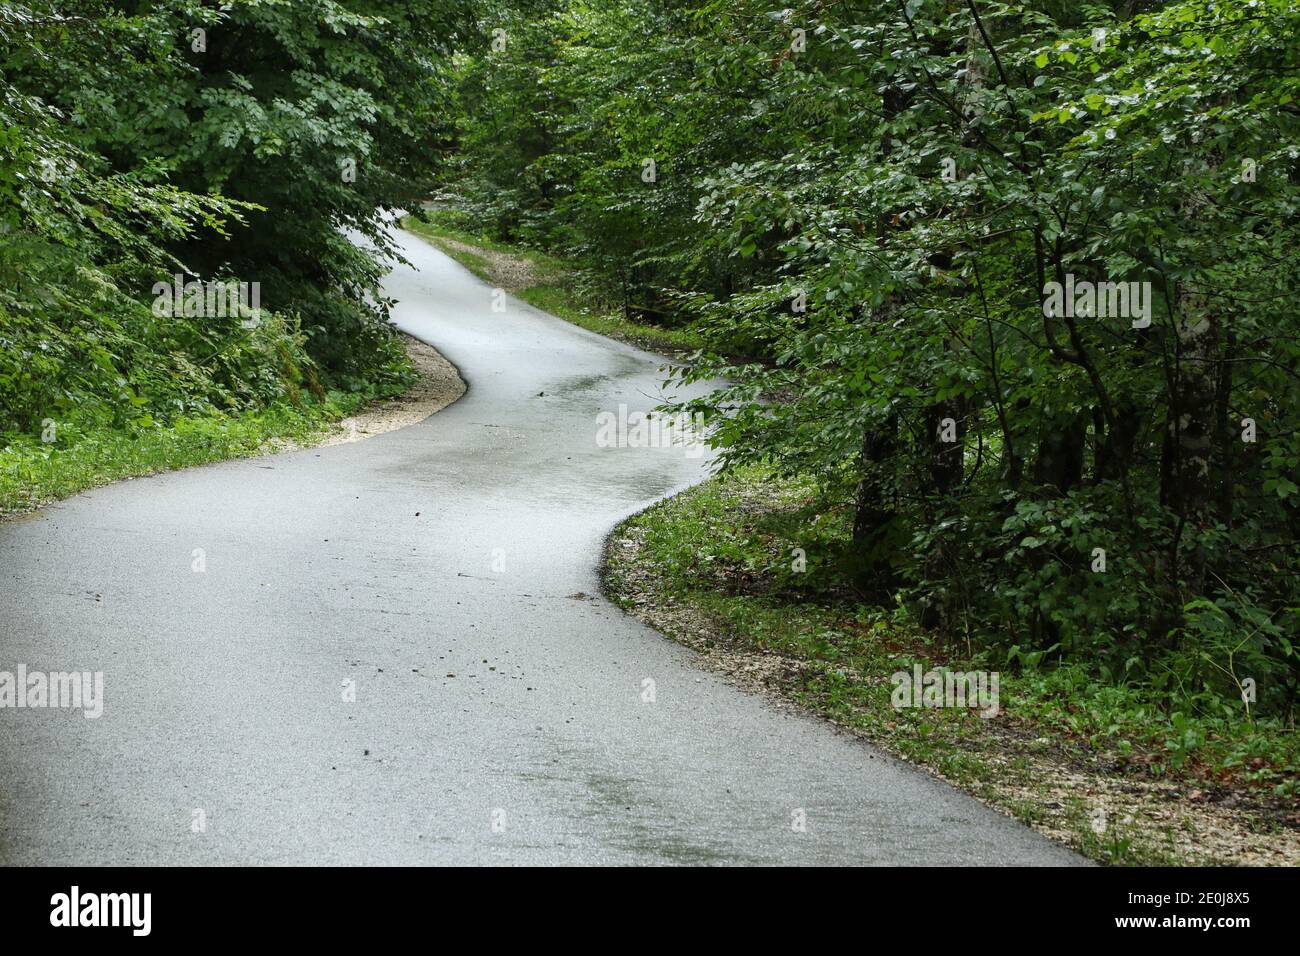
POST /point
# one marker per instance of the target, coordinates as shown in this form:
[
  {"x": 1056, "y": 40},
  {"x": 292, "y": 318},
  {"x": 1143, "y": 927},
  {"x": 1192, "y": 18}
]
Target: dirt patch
[
  {"x": 439, "y": 385},
  {"x": 1195, "y": 828},
  {"x": 1055, "y": 795},
  {"x": 504, "y": 270},
  {"x": 749, "y": 669}
]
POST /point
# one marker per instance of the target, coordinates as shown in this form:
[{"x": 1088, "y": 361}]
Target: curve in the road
[{"x": 437, "y": 574}]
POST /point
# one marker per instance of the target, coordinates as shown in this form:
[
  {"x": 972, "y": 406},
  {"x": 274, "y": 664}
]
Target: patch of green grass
[
  {"x": 475, "y": 264},
  {"x": 562, "y": 302},
  {"x": 727, "y": 549},
  {"x": 33, "y": 473},
  {"x": 556, "y": 286}
]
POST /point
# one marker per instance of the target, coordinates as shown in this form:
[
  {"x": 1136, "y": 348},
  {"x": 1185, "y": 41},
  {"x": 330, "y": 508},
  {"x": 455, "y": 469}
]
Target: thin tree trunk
[
  {"x": 875, "y": 515},
  {"x": 1193, "y": 422}
]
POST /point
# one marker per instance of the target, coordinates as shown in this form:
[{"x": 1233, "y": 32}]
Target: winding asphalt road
[{"x": 452, "y": 547}]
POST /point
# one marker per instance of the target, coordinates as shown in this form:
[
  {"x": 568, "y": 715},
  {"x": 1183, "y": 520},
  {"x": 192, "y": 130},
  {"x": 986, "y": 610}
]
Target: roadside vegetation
[
  {"x": 34, "y": 473},
  {"x": 743, "y": 569},
  {"x": 212, "y": 147}
]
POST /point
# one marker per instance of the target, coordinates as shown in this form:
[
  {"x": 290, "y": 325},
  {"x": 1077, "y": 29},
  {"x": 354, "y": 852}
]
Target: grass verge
[
  {"x": 543, "y": 281},
  {"x": 1114, "y": 771},
  {"x": 34, "y": 473}
]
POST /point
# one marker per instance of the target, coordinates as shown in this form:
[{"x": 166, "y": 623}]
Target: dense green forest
[
  {"x": 862, "y": 207},
  {"x": 1011, "y": 284}
]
